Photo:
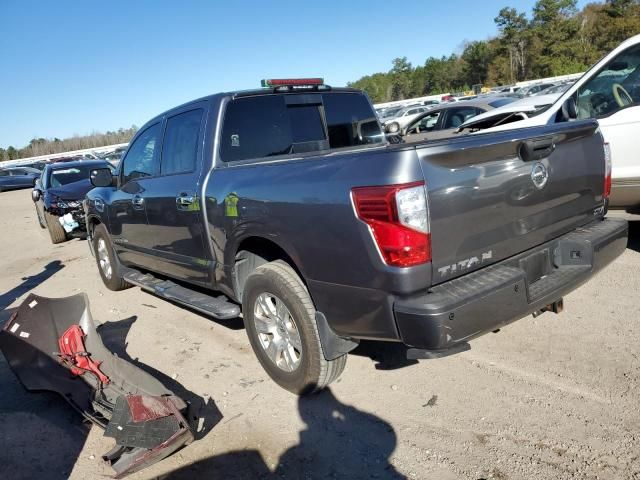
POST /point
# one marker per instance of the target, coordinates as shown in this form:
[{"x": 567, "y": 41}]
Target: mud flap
[{"x": 52, "y": 344}]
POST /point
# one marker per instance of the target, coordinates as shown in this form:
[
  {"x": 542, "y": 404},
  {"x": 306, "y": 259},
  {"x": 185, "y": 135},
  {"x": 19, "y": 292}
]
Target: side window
[
  {"x": 4, "y": 173},
  {"x": 255, "y": 128},
  {"x": 616, "y": 86},
  {"x": 180, "y": 145},
  {"x": 457, "y": 116},
  {"x": 425, "y": 124},
  {"x": 139, "y": 162},
  {"x": 350, "y": 120}
]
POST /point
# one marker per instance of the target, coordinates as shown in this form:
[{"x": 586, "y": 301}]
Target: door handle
[
  {"x": 138, "y": 202},
  {"x": 536, "y": 149}
]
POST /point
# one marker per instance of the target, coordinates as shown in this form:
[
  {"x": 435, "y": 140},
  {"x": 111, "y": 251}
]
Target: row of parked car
[
  {"x": 59, "y": 187},
  {"x": 440, "y": 119},
  {"x": 608, "y": 92}
]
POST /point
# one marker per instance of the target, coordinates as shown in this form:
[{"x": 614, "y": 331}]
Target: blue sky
[{"x": 72, "y": 67}]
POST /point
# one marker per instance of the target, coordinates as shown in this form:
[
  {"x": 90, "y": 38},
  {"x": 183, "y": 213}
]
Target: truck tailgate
[{"x": 494, "y": 195}]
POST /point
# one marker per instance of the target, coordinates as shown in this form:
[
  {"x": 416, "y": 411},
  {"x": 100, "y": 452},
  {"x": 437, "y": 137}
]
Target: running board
[{"x": 218, "y": 307}]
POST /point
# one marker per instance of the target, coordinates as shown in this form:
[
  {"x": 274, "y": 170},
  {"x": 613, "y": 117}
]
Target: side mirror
[
  {"x": 569, "y": 109},
  {"x": 35, "y": 195},
  {"x": 101, "y": 177}
]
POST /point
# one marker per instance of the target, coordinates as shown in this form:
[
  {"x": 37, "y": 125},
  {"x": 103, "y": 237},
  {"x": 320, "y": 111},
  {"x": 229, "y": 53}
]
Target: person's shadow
[
  {"x": 338, "y": 441},
  {"x": 29, "y": 283}
]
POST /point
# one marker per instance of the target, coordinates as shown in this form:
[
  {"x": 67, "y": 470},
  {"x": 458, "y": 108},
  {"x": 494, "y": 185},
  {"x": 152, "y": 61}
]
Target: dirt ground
[{"x": 556, "y": 397}]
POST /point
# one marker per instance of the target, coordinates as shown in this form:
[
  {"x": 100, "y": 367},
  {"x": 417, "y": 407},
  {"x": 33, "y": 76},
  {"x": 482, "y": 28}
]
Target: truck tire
[
  {"x": 279, "y": 318},
  {"x": 106, "y": 260},
  {"x": 56, "y": 232}
]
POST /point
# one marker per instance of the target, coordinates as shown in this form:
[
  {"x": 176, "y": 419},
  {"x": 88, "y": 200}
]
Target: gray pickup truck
[{"x": 286, "y": 204}]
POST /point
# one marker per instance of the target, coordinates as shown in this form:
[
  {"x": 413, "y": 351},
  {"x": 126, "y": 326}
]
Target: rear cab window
[{"x": 271, "y": 125}]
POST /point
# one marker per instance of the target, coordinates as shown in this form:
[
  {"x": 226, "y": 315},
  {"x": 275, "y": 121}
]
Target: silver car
[{"x": 444, "y": 120}]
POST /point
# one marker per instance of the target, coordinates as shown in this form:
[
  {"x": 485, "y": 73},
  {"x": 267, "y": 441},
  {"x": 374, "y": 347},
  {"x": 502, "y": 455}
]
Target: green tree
[
  {"x": 556, "y": 31},
  {"x": 515, "y": 40},
  {"x": 476, "y": 58},
  {"x": 401, "y": 79}
]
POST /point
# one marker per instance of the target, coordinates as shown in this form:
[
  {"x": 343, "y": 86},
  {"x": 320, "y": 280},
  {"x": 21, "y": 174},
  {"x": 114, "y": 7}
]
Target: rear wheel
[
  {"x": 279, "y": 318},
  {"x": 56, "y": 232},
  {"x": 106, "y": 260}
]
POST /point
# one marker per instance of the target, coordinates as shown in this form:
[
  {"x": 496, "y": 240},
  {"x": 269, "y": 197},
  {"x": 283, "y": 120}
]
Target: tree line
[
  {"x": 555, "y": 39},
  {"x": 47, "y": 146}
]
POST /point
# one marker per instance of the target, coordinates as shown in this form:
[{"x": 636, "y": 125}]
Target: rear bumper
[{"x": 461, "y": 309}]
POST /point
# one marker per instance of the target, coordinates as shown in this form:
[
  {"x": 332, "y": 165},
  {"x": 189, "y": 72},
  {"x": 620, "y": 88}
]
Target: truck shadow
[
  {"x": 634, "y": 236},
  {"x": 386, "y": 355},
  {"x": 231, "y": 324},
  {"x": 338, "y": 441},
  {"x": 203, "y": 414}
]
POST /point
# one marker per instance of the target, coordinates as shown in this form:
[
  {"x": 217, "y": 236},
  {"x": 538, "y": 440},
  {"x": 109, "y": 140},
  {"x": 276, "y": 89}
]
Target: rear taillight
[
  {"x": 399, "y": 221},
  {"x": 607, "y": 171}
]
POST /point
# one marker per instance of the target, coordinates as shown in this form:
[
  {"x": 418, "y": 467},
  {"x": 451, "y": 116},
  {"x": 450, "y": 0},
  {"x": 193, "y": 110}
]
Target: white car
[
  {"x": 609, "y": 92},
  {"x": 403, "y": 118}
]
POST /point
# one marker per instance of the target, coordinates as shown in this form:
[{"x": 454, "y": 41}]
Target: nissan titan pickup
[{"x": 286, "y": 205}]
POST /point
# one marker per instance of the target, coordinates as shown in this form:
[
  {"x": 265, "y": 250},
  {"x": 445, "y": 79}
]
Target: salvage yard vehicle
[
  {"x": 14, "y": 178},
  {"x": 58, "y": 195},
  {"x": 288, "y": 201},
  {"x": 403, "y": 117},
  {"x": 608, "y": 92},
  {"x": 443, "y": 121}
]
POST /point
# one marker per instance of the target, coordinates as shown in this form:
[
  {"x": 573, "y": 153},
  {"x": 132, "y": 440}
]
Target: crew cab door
[
  {"x": 127, "y": 212},
  {"x": 612, "y": 96},
  {"x": 175, "y": 233}
]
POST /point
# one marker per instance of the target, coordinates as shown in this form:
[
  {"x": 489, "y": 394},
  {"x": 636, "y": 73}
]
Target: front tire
[
  {"x": 279, "y": 318},
  {"x": 56, "y": 232},
  {"x": 106, "y": 260},
  {"x": 40, "y": 221}
]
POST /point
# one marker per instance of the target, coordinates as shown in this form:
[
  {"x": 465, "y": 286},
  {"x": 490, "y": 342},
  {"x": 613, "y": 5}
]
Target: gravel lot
[{"x": 555, "y": 397}]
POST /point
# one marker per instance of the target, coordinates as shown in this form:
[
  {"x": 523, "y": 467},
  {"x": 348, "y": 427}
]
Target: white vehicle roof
[{"x": 524, "y": 105}]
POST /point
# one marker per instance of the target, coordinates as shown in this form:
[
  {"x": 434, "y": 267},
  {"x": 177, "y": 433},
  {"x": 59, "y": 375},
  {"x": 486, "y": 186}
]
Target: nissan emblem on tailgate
[{"x": 539, "y": 175}]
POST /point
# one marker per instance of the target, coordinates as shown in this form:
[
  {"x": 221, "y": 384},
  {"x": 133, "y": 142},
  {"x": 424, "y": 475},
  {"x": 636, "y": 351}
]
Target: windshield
[
  {"x": 616, "y": 86},
  {"x": 391, "y": 112},
  {"x": 64, "y": 176}
]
